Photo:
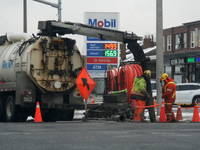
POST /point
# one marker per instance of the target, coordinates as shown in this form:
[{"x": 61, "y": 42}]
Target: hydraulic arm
[{"x": 51, "y": 28}]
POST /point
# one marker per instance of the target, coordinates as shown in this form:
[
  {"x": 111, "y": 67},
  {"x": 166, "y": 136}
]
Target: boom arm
[{"x": 51, "y": 28}]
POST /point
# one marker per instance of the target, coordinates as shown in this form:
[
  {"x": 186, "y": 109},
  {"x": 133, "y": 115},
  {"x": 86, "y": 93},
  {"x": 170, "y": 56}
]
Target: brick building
[{"x": 181, "y": 46}]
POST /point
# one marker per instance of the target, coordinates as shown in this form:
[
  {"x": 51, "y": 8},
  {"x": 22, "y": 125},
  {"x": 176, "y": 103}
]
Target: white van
[{"x": 153, "y": 88}]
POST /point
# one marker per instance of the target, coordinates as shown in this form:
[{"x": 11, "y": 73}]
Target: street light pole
[
  {"x": 59, "y": 10},
  {"x": 58, "y": 6},
  {"x": 25, "y": 17},
  {"x": 159, "y": 50}
]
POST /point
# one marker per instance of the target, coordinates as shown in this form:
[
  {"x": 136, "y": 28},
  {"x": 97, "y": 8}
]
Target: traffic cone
[
  {"x": 38, "y": 116},
  {"x": 195, "y": 114},
  {"x": 179, "y": 113},
  {"x": 137, "y": 116},
  {"x": 92, "y": 100},
  {"x": 162, "y": 113}
]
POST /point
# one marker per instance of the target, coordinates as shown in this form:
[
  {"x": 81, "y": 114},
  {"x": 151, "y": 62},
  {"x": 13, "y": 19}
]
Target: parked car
[
  {"x": 153, "y": 89},
  {"x": 187, "y": 93}
]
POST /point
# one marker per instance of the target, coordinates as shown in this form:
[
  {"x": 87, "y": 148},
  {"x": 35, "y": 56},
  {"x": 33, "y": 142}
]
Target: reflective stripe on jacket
[
  {"x": 169, "y": 90},
  {"x": 174, "y": 91}
]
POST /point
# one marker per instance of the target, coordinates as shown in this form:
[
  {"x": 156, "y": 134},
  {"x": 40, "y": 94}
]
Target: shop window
[
  {"x": 169, "y": 42},
  {"x": 196, "y": 37},
  {"x": 191, "y": 72},
  {"x": 180, "y": 41},
  {"x": 178, "y": 69},
  {"x": 192, "y": 39},
  {"x": 197, "y": 72},
  {"x": 185, "y": 40},
  {"x": 168, "y": 70}
]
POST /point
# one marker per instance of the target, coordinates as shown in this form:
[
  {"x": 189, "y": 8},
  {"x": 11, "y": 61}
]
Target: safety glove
[{"x": 147, "y": 95}]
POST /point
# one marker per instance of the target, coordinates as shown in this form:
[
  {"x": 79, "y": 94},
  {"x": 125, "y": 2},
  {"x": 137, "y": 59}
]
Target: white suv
[
  {"x": 153, "y": 89},
  {"x": 187, "y": 93}
]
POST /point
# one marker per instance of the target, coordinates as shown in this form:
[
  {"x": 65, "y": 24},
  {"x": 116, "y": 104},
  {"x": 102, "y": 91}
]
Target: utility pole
[
  {"x": 25, "y": 16},
  {"x": 159, "y": 50},
  {"x": 53, "y": 5}
]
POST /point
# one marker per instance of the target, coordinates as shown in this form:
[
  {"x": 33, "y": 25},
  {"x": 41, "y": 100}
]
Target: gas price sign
[
  {"x": 110, "y": 46},
  {"x": 110, "y": 53},
  {"x": 101, "y": 53}
]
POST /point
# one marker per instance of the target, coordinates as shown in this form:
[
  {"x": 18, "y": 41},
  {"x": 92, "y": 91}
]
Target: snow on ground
[{"x": 187, "y": 117}]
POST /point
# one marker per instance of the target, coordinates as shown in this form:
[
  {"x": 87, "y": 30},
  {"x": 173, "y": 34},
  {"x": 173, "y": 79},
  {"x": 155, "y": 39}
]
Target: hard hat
[
  {"x": 164, "y": 76},
  {"x": 148, "y": 72}
]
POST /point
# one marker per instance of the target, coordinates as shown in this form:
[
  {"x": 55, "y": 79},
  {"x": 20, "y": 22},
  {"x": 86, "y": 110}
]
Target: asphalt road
[{"x": 99, "y": 135}]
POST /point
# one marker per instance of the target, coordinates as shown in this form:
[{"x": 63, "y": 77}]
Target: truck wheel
[
  {"x": 67, "y": 115},
  {"x": 2, "y": 110},
  {"x": 10, "y": 109},
  {"x": 70, "y": 115},
  {"x": 63, "y": 115},
  {"x": 51, "y": 116}
]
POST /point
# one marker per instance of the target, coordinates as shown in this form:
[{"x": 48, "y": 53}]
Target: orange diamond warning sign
[{"x": 85, "y": 83}]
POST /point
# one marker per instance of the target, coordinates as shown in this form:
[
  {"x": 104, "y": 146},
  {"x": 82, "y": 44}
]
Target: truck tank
[
  {"x": 52, "y": 63},
  {"x": 42, "y": 69}
]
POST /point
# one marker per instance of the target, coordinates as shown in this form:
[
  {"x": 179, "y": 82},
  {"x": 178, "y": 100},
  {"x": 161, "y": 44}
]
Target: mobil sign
[
  {"x": 102, "y": 23},
  {"x": 102, "y": 19},
  {"x": 99, "y": 51}
]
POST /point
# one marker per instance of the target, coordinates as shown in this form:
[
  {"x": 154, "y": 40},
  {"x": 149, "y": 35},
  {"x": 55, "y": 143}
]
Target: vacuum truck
[{"x": 42, "y": 69}]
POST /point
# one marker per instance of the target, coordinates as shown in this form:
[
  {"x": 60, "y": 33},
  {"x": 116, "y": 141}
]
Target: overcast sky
[{"x": 138, "y": 16}]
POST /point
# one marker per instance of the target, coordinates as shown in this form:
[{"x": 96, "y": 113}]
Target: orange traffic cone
[
  {"x": 92, "y": 100},
  {"x": 195, "y": 114},
  {"x": 162, "y": 113},
  {"x": 38, "y": 116},
  {"x": 137, "y": 116},
  {"x": 179, "y": 113}
]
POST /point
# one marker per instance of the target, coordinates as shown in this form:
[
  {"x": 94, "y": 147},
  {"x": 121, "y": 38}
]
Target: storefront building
[{"x": 181, "y": 47}]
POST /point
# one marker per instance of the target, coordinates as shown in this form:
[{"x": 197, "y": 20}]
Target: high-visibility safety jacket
[
  {"x": 138, "y": 88},
  {"x": 169, "y": 90}
]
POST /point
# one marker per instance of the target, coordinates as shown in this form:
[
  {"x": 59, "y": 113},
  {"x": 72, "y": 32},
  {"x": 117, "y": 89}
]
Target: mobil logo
[{"x": 103, "y": 23}]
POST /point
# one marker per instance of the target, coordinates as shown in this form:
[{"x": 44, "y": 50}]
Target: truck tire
[
  {"x": 10, "y": 109},
  {"x": 51, "y": 116},
  {"x": 2, "y": 109},
  {"x": 67, "y": 115},
  {"x": 70, "y": 115}
]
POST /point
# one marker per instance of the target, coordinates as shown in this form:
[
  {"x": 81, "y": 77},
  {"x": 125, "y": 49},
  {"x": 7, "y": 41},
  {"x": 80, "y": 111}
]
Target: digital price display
[
  {"x": 110, "y": 53},
  {"x": 110, "y": 46}
]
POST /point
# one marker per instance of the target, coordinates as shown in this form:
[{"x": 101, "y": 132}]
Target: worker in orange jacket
[{"x": 169, "y": 94}]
